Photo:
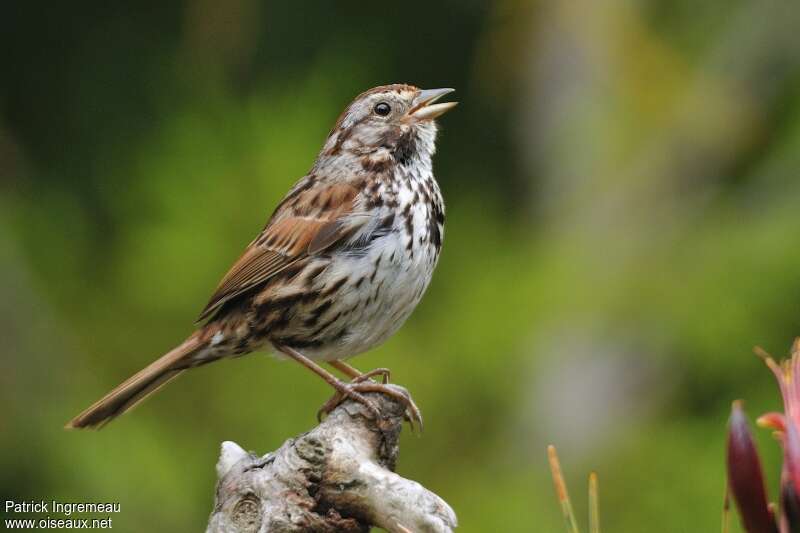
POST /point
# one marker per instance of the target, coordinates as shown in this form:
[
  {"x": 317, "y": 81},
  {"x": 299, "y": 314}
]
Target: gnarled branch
[{"x": 338, "y": 477}]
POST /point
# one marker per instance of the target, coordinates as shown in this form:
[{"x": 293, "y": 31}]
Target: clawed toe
[
  {"x": 384, "y": 374},
  {"x": 362, "y": 384},
  {"x": 412, "y": 412}
]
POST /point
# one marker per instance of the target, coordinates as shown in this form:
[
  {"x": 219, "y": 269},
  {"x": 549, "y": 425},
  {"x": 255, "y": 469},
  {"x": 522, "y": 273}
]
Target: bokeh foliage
[{"x": 622, "y": 190}]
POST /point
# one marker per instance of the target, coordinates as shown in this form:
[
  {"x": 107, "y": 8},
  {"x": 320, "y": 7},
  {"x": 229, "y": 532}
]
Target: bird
[{"x": 342, "y": 262}]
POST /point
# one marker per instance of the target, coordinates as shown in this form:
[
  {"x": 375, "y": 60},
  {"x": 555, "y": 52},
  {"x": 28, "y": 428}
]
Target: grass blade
[
  {"x": 561, "y": 490},
  {"x": 594, "y": 504}
]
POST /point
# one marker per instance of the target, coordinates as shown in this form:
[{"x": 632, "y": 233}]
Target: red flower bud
[{"x": 745, "y": 477}]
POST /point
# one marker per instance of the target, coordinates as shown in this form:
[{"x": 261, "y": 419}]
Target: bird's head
[{"x": 398, "y": 120}]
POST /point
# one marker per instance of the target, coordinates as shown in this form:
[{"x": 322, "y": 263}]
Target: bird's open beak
[{"x": 425, "y": 108}]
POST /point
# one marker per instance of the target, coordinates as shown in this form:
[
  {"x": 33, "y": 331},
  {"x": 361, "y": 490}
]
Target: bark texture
[{"x": 338, "y": 477}]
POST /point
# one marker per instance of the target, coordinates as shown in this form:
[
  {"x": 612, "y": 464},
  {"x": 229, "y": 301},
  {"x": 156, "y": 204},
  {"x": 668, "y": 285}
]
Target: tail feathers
[{"x": 139, "y": 386}]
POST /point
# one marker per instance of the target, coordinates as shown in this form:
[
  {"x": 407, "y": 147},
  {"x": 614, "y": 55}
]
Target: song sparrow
[{"x": 341, "y": 264}]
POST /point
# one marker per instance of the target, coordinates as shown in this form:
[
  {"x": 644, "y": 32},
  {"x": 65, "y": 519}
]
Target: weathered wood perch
[{"x": 338, "y": 477}]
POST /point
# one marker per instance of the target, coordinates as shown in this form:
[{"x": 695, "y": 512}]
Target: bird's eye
[{"x": 382, "y": 109}]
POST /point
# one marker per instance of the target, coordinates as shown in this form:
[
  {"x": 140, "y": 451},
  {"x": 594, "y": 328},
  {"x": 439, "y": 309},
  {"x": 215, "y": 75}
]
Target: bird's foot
[{"x": 361, "y": 384}]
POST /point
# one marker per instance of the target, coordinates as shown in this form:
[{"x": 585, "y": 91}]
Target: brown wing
[{"x": 311, "y": 219}]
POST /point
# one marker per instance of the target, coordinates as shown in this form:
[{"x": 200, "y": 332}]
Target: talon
[
  {"x": 329, "y": 406},
  {"x": 412, "y": 412},
  {"x": 363, "y": 384}
]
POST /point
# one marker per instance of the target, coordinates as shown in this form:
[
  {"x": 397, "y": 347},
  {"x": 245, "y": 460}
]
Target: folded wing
[{"x": 310, "y": 220}]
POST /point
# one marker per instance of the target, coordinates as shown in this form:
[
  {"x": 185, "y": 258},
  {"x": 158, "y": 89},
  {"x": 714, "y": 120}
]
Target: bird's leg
[
  {"x": 356, "y": 375},
  {"x": 354, "y": 390},
  {"x": 343, "y": 390}
]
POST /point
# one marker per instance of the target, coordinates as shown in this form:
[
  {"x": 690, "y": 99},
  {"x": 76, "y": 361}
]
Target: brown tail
[{"x": 138, "y": 387}]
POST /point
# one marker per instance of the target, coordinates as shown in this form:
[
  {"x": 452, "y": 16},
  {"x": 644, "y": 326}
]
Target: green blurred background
[{"x": 622, "y": 194}]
